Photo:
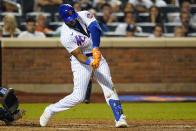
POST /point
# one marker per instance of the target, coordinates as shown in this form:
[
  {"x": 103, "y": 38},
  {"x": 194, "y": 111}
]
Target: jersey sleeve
[
  {"x": 87, "y": 17},
  {"x": 68, "y": 41}
]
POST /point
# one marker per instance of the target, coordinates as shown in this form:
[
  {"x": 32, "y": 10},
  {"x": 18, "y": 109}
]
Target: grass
[{"x": 133, "y": 111}]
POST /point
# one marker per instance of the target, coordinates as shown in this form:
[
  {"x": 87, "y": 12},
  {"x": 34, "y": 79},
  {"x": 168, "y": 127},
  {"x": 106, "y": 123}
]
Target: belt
[{"x": 89, "y": 54}]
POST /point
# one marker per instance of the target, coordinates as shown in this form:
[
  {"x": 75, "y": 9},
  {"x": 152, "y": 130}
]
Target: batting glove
[
  {"x": 95, "y": 63},
  {"x": 96, "y": 54}
]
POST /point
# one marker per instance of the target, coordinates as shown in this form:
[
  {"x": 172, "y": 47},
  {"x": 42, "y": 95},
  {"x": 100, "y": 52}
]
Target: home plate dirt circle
[{"x": 100, "y": 125}]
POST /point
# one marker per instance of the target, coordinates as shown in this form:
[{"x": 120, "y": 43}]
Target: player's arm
[
  {"x": 79, "y": 55},
  {"x": 95, "y": 31},
  {"x": 84, "y": 59}
]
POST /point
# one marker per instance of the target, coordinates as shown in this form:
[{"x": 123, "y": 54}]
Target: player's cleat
[
  {"x": 45, "y": 117},
  {"x": 18, "y": 115},
  {"x": 121, "y": 123}
]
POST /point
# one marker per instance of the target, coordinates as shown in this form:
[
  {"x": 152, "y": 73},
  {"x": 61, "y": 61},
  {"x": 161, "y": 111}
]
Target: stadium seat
[
  {"x": 172, "y": 16},
  {"x": 169, "y": 27},
  {"x": 192, "y": 35},
  {"x": 22, "y": 26},
  {"x": 36, "y": 14},
  {"x": 146, "y": 27},
  {"x": 113, "y": 34},
  {"x": 193, "y": 8},
  {"x": 119, "y": 15},
  {"x": 168, "y": 34},
  {"x": 168, "y": 9},
  {"x": 54, "y": 25},
  {"x": 57, "y": 18},
  {"x": 143, "y": 17},
  {"x": 112, "y": 26},
  {"x": 142, "y": 34}
]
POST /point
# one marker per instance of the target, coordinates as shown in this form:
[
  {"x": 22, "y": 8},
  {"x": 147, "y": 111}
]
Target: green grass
[{"x": 133, "y": 111}]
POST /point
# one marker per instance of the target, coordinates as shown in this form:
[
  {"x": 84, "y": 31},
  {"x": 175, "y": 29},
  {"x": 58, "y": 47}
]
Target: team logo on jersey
[
  {"x": 79, "y": 40},
  {"x": 89, "y": 15},
  {"x": 70, "y": 12}
]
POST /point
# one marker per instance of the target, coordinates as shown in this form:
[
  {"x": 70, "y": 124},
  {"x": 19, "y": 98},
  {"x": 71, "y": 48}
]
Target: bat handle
[
  {"x": 92, "y": 74},
  {"x": 88, "y": 91}
]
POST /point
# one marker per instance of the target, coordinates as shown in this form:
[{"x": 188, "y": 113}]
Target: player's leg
[
  {"x": 9, "y": 117},
  {"x": 5, "y": 115},
  {"x": 81, "y": 75},
  {"x": 103, "y": 77}
]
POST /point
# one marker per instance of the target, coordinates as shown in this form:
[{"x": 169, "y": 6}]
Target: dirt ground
[{"x": 100, "y": 125}]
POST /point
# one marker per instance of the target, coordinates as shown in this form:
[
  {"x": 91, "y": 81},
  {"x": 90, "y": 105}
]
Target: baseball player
[
  {"x": 10, "y": 112},
  {"x": 80, "y": 35}
]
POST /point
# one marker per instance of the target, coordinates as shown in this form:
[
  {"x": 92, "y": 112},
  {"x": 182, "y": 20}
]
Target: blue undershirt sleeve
[
  {"x": 88, "y": 62},
  {"x": 95, "y": 31}
]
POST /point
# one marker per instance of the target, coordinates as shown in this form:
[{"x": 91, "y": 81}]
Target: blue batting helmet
[{"x": 67, "y": 12}]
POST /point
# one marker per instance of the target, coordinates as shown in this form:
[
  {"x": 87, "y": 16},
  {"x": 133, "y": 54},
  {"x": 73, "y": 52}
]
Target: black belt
[{"x": 89, "y": 54}]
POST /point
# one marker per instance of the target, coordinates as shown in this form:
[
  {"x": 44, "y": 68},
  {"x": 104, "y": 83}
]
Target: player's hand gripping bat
[{"x": 89, "y": 88}]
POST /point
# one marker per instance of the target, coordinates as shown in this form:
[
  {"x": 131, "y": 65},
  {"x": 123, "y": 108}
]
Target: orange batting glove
[
  {"x": 96, "y": 54},
  {"x": 95, "y": 63}
]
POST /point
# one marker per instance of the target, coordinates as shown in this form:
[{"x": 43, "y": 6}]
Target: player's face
[{"x": 71, "y": 23}]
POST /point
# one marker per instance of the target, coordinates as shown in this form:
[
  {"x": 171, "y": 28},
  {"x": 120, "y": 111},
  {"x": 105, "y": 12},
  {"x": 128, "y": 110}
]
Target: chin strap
[{"x": 116, "y": 108}]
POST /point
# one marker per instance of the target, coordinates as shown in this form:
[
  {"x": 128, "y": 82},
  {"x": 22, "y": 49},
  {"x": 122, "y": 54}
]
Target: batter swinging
[{"x": 80, "y": 35}]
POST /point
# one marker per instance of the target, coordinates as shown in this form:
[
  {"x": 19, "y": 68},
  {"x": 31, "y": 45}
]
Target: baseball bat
[{"x": 89, "y": 88}]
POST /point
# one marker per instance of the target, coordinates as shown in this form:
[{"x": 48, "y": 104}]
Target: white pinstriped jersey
[{"x": 72, "y": 39}]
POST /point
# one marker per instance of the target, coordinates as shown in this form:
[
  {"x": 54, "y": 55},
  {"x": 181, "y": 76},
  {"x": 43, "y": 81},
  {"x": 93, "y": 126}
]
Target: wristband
[{"x": 88, "y": 62}]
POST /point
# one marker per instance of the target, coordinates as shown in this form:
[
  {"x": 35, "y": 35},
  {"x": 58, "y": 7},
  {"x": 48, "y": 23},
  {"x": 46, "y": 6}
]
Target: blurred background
[
  {"x": 131, "y": 18},
  {"x": 150, "y": 46}
]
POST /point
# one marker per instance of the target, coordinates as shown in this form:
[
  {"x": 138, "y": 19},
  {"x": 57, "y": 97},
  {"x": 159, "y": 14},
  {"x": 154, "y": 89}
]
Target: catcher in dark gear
[{"x": 10, "y": 112}]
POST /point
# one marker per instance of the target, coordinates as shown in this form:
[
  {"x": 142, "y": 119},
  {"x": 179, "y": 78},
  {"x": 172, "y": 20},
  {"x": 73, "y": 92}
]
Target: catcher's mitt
[{"x": 10, "y": 101}]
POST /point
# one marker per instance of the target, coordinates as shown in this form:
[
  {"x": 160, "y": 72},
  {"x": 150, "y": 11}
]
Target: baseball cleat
[
  {"x": 45, "y": 117},
  {"x": 121, "y": 123}
]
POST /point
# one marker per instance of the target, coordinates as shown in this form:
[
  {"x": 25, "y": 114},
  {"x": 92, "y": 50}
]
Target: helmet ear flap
[{"x": 67, "y": 12}]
